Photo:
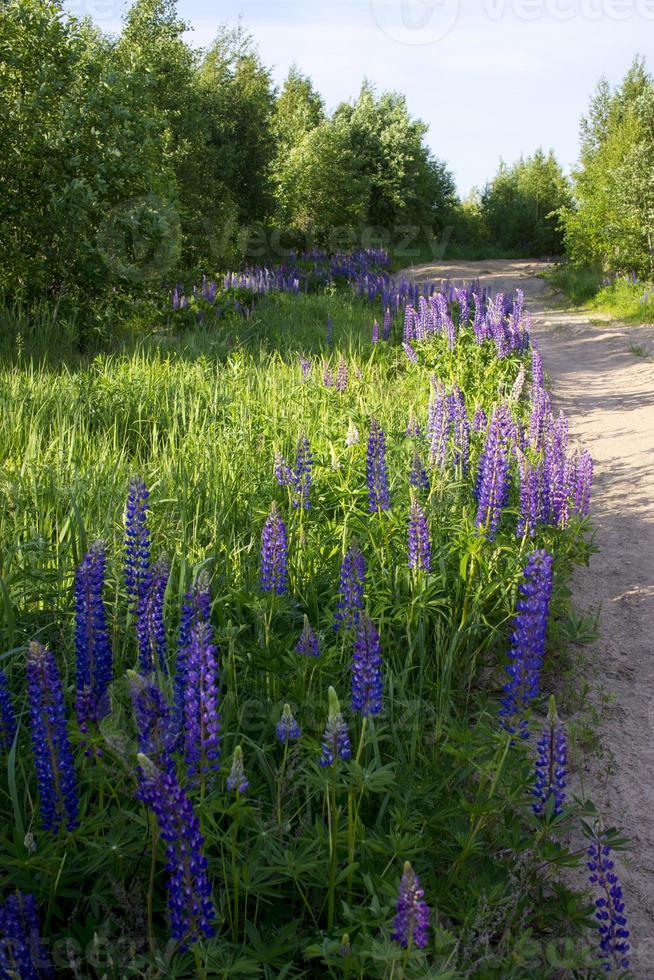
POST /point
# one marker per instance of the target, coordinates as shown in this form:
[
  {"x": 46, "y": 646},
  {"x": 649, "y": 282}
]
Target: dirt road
[{"x": 602, "y": 374}]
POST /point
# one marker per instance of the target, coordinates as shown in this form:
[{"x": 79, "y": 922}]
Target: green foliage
[
  {"x": 612, "y": 224},
  {"x": 437, "y": 782}
]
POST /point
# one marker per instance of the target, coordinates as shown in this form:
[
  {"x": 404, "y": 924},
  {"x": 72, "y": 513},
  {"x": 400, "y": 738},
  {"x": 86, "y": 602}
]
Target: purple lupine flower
[
  {"x": 539, "y": 419},
  {"x": 196, "y": 610},
  {"x": 7, "y": 715},
  {"x": 335, "y": 739},
  {"x": 308, "y": 644},
  {"x": 612, "y": 922},
  {"x": 556, "y": 472},
  {"x": 305, "y": 365},
  {"x": 527, "y": 642},
  {"x": 327, "y": 376},
  {"x": 352, "y": 581},
  {"x": 274, "y": 554},
  {"x": 376, "y": 469},
  {"x": 352, "y": 435},
  {"x": 413, "y": 426},
  {"x": 582, "y": 482},
  {"x": 460, "y": 429},
  {"x": 341, "y": 375},
  {"x": 551, "y": 764},
  {"x": 537, "y": 383},
  {"x": 418, "y": 474},
  {"x": 375, "y": 332},
  {"x": 493, "y": 476},
  {"x": 190, "y": 906},
  {"x": 518, "y": 384},
  {"x": 150, "y": 628},
  {"x": 301, "y": 475},
  {"x": 237, "y": 781},
  {"x": 411, "y": 923},
  {"x": 329, "y": 331},
  {"x": 464, "y": 308},
  {"x": 283, "y": 472},
  {"x": 155, "y": 732},
  {"x": 92, "y": 644},
  {"x": 410, "y": 353},
  {"x": 479, "y": 420},
  {"x": 201, "y": 705},
  {"x": 367, "y": 676},
  {"x": 531, "y": 497},
  {"x": 419, "y": 540},
  {"x": 23, "y": 954},
  {"x": 137, "y": 543},
  {"x": 53, "y": 757},
  {"x": 287, "y": 728},
  {"x": 409, "y": 332},
  {"x": 388, "y": 323}
]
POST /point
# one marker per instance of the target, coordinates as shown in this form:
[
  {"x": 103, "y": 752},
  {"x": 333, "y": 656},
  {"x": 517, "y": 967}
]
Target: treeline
[
  {"x": 611, "y": 226},
  {"x": 125, "y": 157}
]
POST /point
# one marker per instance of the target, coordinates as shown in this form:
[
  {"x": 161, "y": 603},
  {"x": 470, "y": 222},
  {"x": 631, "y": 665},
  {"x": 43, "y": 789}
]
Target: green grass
[
  {"x": 199, "y": 414},
  {"x": 623, "y": 299}
]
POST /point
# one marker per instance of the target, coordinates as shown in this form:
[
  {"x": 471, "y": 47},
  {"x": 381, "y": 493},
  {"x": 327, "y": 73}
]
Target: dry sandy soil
[{"x": 607, "y": 391}]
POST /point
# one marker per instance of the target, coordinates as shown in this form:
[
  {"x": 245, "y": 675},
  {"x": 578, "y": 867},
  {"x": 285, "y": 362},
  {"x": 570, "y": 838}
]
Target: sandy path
[{"x": 607, "y": 392}]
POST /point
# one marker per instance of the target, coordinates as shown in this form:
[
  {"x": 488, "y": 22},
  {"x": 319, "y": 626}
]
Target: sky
[{"x": 493, "y": 79}]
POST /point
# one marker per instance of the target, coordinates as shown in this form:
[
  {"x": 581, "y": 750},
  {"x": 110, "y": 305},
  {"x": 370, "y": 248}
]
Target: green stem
[
  {"x": 199, "y": 965},
  {"x": 235, "y": 882},
  {"x": 280, "y": 782},
  {"x": 351, "y": 823},
  {"x": 150, "y": 901},
  {"x": 333, "y": 839}
]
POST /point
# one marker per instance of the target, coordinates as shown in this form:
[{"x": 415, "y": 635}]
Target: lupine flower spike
[
  {"x": 411, "y": 924},
  {"x": 367, "y": 676},
  {"x": 191, "y": 909},
  {"x": 201, "y": 705},
  {"x": 237, "y": 781},
  {"x": 150, "y": 628},
  {"x": 335, "y": 739},
  {"x": 23, "y": 954},
  {"x": 53, "y": 758},
  {"x": 92, "y": 644},
  {"x": 274, "y": 554},
  {"x": 301, "y": 476},
  {"x": 196, "y": 609},
  {"x": 352, "y": 435},
  {"x": 375, "y": 332},
  {"x": 137, "y": 543},
  {"x": 493, "y": 475},
  {"x": 376, "y": 470},
  {"x": 287, "y": 728},
  {"x": 612, "y": 922},
  {"x": 7, "y": 715},
  {"x": 551, "y": 764},
  {"x": 353, "y": 576},
  {"x": 419, "y": 540},
  {"x": 527, "y": 642},
  {"x": 308, "y": 643},
  {"x": 155, "y": 732}
]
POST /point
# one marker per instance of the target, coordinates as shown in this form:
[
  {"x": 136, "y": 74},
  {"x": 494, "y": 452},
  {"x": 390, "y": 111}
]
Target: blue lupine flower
[
  {"x": 92, "y": 644},
  {"x": 53, "y": 758},
  {"x": 196, "y": 609},
  {"x": 551, "y": 764},
  {"x": 460, "y": 429},
  {"x": 493, "y": 476},
  {"x": 335, "y": 739},
  {"x": 274, "y": 554},
  {"x": 283, "y": 472},
  {"x": 375, "y": 332},
  {"x": 150, "y": 628},
  {"x": 287, "y": 728},
  {"x": 191, "y": 909},
  {"x": 612, "y": 922},
  {"x": 419, "y": 539},
  {"x": 388, "y": 323},
  {"x": 413, "y": 426},
  {"x": 418, "y": 474},
  {"x": 527, "y": 642},
  {"x": 308, "y": 643},
  {"x": 411, "y": 923},
  {"x": 353, "y": 576},
  {"x": 201, "y": 704},
  {"x": 23, "y": 954},
  {"x": 410, "y": 353},
  {"x": 376, "y": 470},
  {"x": 479, "y": 420},
  {"x": 341, "y": 375},
  {"x": 301, "y": 476},
  {"x": 7, "y": 715},
  {"x": 137, "y": 543},
  {"x": 155, "y": 730},
  {"x": 237, "y": 781},
  {"x": 367, "y": 675}
]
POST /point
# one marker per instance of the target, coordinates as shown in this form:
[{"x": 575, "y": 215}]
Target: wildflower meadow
[{"x": 281, "y": 596}]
